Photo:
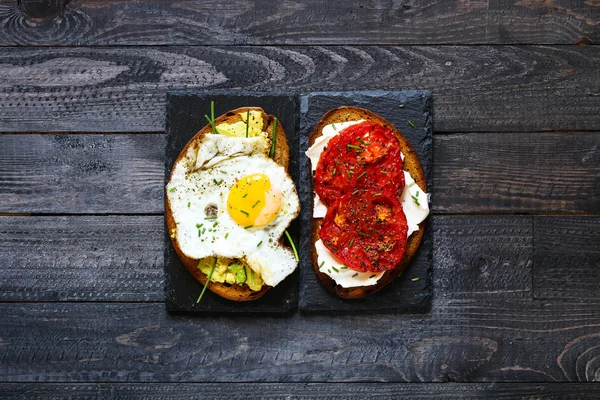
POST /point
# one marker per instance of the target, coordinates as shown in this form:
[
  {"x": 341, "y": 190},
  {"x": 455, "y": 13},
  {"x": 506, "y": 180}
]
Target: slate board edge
[
  {"x": 425, "y": 296},
  {"x": 173, "y": 307}
]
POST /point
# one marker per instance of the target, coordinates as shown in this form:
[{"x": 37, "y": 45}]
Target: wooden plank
[
  {"x": 81, "y": 173},
  {"x": 156, "y": 22},
  {"x": 567, "y": 258},
  {"x": 120, "y": 258},
  {"x": 478, "y": 172},
  {"x": 538, "y": 172},
  {"x": 305, "y": 391},
  {"x": 100, "y": 258},
  {"x": 459, "y": 341},
  {"x": 475, "y": 88}
]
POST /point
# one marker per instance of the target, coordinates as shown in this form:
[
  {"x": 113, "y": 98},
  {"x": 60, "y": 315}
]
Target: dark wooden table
[{"x": 516, "y": 211}]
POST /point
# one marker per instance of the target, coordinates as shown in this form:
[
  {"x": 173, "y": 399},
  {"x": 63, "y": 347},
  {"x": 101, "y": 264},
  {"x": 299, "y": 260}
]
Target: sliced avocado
[
  {"x": 239, "y": 128},
  {"x": 254, "y": 281},
  {"x": 238, "y": 271}
]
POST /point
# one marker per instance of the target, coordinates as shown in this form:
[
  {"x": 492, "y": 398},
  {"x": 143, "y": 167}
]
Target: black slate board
[
  {"x": 397, "y": 107},
  {"x": 185, "y": 117}
]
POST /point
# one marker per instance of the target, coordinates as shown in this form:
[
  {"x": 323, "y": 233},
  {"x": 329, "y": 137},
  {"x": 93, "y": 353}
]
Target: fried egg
[{"x": 229, "y": 199}]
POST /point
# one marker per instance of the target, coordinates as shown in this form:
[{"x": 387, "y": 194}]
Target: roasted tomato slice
[
  {"x": 366, "y": 231},
  {"x": 362, "y": 156}
]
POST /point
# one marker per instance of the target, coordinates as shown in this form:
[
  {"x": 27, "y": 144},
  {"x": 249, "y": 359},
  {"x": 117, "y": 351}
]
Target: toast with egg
[
  {"x": 411, "y": 164},
  {"x": 281, "y": 156}
]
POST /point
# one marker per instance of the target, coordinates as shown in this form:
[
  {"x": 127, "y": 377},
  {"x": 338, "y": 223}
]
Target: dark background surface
[{"x": 515, "y": 223}]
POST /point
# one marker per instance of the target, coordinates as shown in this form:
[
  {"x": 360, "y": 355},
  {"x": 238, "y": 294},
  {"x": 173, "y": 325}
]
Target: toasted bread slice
[
  {"x": 411, "y": 164},
  {"x": 281, "y": 157}
]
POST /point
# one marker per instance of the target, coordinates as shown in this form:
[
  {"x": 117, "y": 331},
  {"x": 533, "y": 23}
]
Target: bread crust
[
  {"x": 411, "y": 164},
  {"x": 281, "y": 157}
]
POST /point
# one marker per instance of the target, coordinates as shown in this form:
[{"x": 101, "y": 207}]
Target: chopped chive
[
  {"x": 333, "y": 126},
  {"x": 188, "y": 204},
  {"x": 218, "y": 182},
  {"x": 210, "y": 217},
  {"x": 207, "y": 280},
  {"x": 412, "y": 125},
  {"x": 384, "y": 172},
  {"x": 344, "y": 267},
  {"x": 254, "y": 205},
  {"x": 338, "y": 162},
  {"x": 199, "y": 232},
  {"x": 350, "y": 243},
  {"x": 355, "y": 192},
  {"x": 274, "y": 140},
  {"x": 355, "y": 275},
  {"x": 415, "y": 200},
  {"x": 334, "y": 171},
  {"x": 322, "y": 263},
  {"x": 226, "y": 235},
  {"x": 362, "y": 234},
  {"x": 249, "y": 226},
  {"x": 203, "y": 230},
  {"x": 349, "y": 173},
  {"x": 293, "y": 245},
  {"x": 417, "y": 193},
  {"x": 367, "y": 248},
  {"x": 216, "y": 223},
  {"x": 361, "y": 175},
  {"x": 372, "y": 276},
  {"x": 415, "y": 279},
  {"x": 244, "y": 196},
  {"x": 199, "y": 226},
  {"x": 352, "y": 146},
  {"x": 335, "y": 269},
  {"x": 247, "y": 121},
  {"x": 212, "y": 124},
  {"x": 259, "y": 243},
  {"x": 377, "y": 194},
  {"x": 174, "y": 188},
  {"x": 401, "y": 106},
  {"x": 223, "y": 172},
  {"x": 244, "y": 212},
  {"x": 329, "y": 270}
]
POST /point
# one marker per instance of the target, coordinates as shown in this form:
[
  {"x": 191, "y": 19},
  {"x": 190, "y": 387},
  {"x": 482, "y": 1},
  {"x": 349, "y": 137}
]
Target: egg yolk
[{"x": 252, "y": 202}]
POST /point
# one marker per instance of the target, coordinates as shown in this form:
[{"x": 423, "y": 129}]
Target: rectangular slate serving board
[
  {"x": 403, "y": 294},
  {"x": 185, "y": 117}
]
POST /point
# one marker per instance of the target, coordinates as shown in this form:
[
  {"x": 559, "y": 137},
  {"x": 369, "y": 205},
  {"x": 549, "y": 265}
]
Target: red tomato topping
[
  {"x": 362, "y": 156},
  {"x": 366, "y": 231}
]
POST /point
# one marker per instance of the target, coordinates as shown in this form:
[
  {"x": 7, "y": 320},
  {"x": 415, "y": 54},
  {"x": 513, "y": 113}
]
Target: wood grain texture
[
  {"x": 567, "y": 258},
  {"x": 476, "y": 172},
  {"x": 184, "y": 22},
  {"x": 119, "y": 258},
  {"x": 304, "y": 391},
  {"x": 82, "y": 173},
  {"x": 83, "y": 258},
  {"x": 459, "y": 341},
  {"x": 475, "y": 88},
  {"x": 540, "y": 172}
]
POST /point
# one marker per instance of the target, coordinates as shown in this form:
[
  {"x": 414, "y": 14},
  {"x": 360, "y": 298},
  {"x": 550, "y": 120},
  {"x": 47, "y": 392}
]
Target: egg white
[{"x": 199, "y": 184}]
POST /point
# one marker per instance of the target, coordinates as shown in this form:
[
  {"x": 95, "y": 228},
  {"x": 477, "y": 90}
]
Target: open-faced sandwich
[
  {"x": 370, "y": 201},
  {"x": 229, "y": 200}
]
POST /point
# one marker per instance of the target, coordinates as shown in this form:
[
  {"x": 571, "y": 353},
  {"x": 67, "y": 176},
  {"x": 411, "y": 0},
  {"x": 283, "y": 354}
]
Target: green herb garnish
[
  {"x": 226, "y": 235},
  {"x": 349, "y": 173},
  {"x": 254, "y": 205},
  {"x": 355, "y": 192},
  {"x": 335, "y": 269},
  {"x": 244, "y": 196},
  {"x": 247, "y": 121},
  {"x": 188, "y": 204},
  {"x": 350, "y": 243},
  {"x": 218, "y": 182},
  {"x": 223, "y": 172},
  {"x": 322, "y": 263},
  {"x": 199, "y": 226},
  {"x": 292, "y": 244},
  {"x": 249, "y": 226},
  {"x": 362, "y": 234},
  {"x": 344, "y": 267},
  {"x": 259, "y": 243},
  {"x": 334, "y": 171},
  {"x": 355, "y": 275},
  {"x": 367, "y": 248},
  {"x": 207, "y": 280},
  {"x": 415, "y": 200},
  {"x": 211, "y": 120},
  {"x": 384, "y": 172},
  {"x": 377, "y": 194},
  {"x": 174, "y": 188},
  {"x": 352, "y": 146},
  {"x": 274, "y": 141},
  {"x": 244, "y": 212},
  {"x": 333, "y": 126},
  {"x": 210, "y": 217},
  {"x": 216, "y": 223},
  {"x": 415, "y": 279},
  {"x": 361, "y": 175},
  {"x": 412, "y": 125},
  {"x": 401, "y": 106}
]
